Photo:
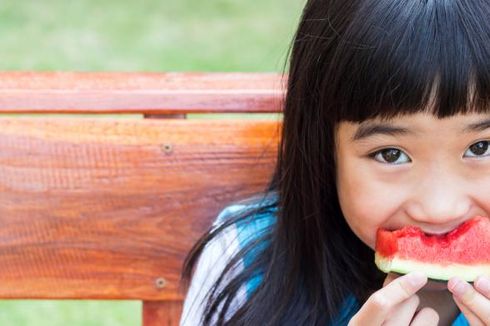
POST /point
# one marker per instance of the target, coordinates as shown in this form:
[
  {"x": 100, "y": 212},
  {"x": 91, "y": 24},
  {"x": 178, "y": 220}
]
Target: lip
[
  {"x": 441, "y": 232},
  {"x": 437, "y": 233}
]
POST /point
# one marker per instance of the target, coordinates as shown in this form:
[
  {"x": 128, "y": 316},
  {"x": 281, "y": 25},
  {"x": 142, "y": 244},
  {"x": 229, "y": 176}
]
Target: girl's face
[{"x": 413, "y": 170}]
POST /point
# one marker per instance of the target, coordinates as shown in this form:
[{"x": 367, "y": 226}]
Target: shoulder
[
  {"x": 267, "y": 205},
  {"x": 220, "y": 250},
  {"x": 259, "y": 214}
]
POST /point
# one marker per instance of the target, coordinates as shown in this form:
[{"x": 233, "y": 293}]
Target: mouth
[
  {"x": 438, "y": 234},
  {"x": 434, "y": 233},
  {"x": 428, "y": 233},
  {"x": 441, "y": 233}
]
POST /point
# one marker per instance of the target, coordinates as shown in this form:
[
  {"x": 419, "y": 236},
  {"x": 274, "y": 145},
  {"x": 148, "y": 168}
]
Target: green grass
[
  {"x": 69, "y": 312},
  {"x": 146, "y": 35},
  {"x": 151, "y": 35}
]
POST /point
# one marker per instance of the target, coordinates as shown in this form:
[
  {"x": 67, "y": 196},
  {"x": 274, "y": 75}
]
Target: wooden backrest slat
[
  {"x": 101, "y": 208},
  {"x": 145, "y": 93}
]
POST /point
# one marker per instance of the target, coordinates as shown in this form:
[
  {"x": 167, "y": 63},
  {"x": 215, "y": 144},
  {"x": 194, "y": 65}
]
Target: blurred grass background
[{"x": 145, "y": 35}]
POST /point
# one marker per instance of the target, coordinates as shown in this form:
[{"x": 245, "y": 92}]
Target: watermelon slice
[{"x": 463, "y": 252}]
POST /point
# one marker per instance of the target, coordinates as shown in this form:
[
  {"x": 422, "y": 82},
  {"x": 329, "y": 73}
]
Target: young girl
[{"x": 385, "y": 125}]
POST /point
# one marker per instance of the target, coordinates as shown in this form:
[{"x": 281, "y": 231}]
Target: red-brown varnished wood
[
  {"x": 146, "y": 93},
  {"x": 101, "y": 208},
  {"x": 161, "y": 313}
]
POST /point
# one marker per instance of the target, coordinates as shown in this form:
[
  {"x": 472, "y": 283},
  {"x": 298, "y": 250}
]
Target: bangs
[{"x": 404, "y": 57}]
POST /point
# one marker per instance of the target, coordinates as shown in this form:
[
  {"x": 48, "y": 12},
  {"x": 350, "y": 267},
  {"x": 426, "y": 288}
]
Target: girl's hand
[
  {"x": 474, "y": 302},
  {"x": 396, "y": 304}
]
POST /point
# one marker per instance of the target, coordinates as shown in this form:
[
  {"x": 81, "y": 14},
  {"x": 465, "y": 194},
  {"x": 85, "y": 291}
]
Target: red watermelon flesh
[{"x": 463, "y": 252}]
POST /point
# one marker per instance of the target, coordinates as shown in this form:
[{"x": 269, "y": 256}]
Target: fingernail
[
  {"x": 416, "y": 279},
  {"x": 457, "y": 286},
  {"x": 483, "y": 284}
]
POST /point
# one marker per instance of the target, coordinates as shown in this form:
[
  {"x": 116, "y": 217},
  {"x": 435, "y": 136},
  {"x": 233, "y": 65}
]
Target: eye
[
  {"x": 479, "y": 149},
  {"x": 390, "y": 156}
]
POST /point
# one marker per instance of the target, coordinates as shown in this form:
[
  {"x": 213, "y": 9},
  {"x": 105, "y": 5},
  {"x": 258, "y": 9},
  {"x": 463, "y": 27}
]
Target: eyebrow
[
  {"x": 477, "y": 126},
  {"x": 368, "y": 129}
]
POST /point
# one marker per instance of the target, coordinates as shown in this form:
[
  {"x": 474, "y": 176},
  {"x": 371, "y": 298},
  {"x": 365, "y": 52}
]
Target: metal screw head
[
  {"x": 167, "y": 148},
  {"x": 160, "y": 283}
]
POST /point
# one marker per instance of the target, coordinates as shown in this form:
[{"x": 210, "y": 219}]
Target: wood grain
[
  {"x": 161, "y": 313},
  {"x": 145, "y": 93},
  {"x": 99, "y": 208}
]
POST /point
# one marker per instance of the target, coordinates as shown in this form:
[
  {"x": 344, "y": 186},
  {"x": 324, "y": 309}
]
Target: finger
[
  {"x": 426, "y": 317},
  {"x": 476, "y": 302},
  {"x": 468, "y": 314},
  {"x": 390, "y": 278},
  {"x": 380, "y": 304},
  {"x": 482, "y": 284},
  {"x": 403, "y": 312}
]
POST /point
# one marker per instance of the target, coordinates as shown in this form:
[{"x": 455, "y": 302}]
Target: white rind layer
[{"x": 434, "y": 271}]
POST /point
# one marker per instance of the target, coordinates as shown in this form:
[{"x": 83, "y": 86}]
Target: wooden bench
[{"x": 101, "y": 207}]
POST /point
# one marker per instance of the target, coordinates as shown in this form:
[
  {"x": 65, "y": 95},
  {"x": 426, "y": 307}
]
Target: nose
[{"x": 439, "y": 199}]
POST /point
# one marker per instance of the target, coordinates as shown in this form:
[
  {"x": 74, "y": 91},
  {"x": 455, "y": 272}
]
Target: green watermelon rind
[{"x": 434, "y": 271}]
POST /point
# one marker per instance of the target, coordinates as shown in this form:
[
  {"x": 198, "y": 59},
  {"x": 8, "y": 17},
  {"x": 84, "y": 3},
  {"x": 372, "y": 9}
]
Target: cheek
[{"x": 366, "y": 202}]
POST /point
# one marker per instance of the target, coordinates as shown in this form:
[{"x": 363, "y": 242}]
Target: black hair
[{"x": 350, "y": 60}]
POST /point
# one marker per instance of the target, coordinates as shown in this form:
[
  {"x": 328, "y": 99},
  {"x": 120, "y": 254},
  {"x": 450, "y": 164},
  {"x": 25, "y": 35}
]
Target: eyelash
[{"x": 374, "y": 154}]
